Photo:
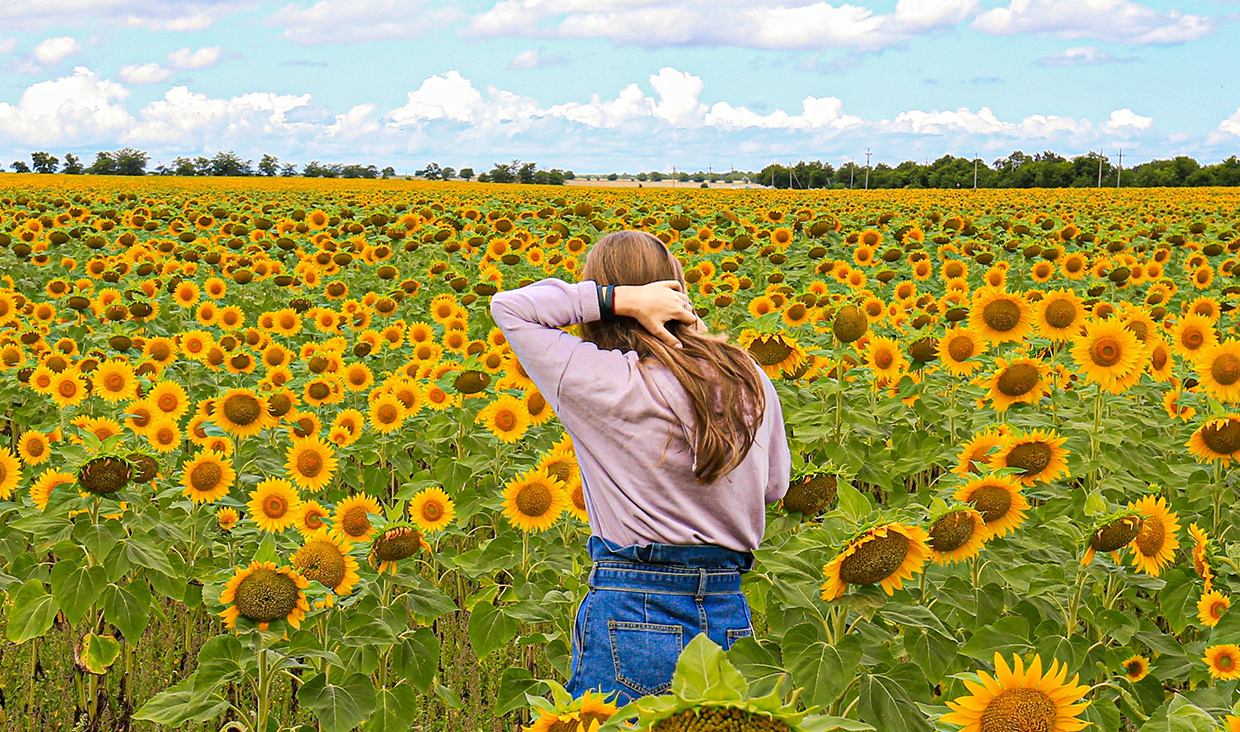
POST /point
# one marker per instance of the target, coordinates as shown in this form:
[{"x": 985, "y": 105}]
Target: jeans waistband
[
  {"x": 663, "y": 580},
  {"x": 670, "y": 556}
]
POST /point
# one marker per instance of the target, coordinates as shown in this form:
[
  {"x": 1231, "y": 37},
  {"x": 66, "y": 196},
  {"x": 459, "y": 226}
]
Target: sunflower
[
  {"x": 1216, "y": 440},
  {"x": 395, "y": 545},
  {"x": 884, "y": 357},
  {"x": 164, "y": 434},
  {"x": 1161, "y": 360},
  {"x": 207, "y": 477},
  {"x": 325, "y": 559},
  {"x": 387, "y": 414},
  {"x": 583, "y": 715},
  {"x": 1223, "y": 661},
  {"x": 957, "y": 536},
  {"x": 958, "y": 348},
  {"x": 1000, "y": 501},
  {"x": 264, "y": 594},
  {"x": 310, "y": 462},
  {"x": 506, "y": 418},
  {"x": 34, "y": 447},
  {"x": 242, "y": 413},
  {"x": 1112, "y": 534},
  {"x": 1016, "y": 700},
  {"x": 1109, "y": 355},
  {"x": 1232, "y": 723},
  {"x": 1202, "y": 555},
  {"x": 776, "y": 353},
  {"x": 48, "y": 481},
  {"x": 67, "y": 389},
  {"x": 431, "y": 509},
  {"x": 1040, "y": 454},
  {"x": 1156, "y": 542},
  {"x": 309, "y": 517},
  {"x": 1000, "y": 317},
  {"x": 974, "y": 454},
  {"x": 169, "y": 398},
  {"x": 1020, "y": 381},
  {"x": 1136, "y": 668},
  {"x": 534, "y": 500},
  {"x": 1218, "y": 371},
  {"x": 1192, "y": 335},
  {"x": 226, "y": 518},
  {"x": 115, "y": 381},
  {"x": 351, "y": 521},
  {"x": 1211, "y": 607},
  {"x": 273, "y": 505},
  {"x": 1058, "y": 315},
  {"x": 886, "y": 554}
]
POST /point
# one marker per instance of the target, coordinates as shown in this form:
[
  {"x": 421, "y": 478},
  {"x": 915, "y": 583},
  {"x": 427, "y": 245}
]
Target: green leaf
[
  {"x": 913, "y": 615},
  {"x": 145, "y": 554},
  {"x": 852, "y": 503},
  {"x": 757, "y": 664},
  {"x": 394, "y": 710},
  {"x": 932, "y": 652},
  {"x": 428, "y": 603},
  {"x": 490, "y": 629},
  {"x": 514, "y": 684},
  {"x": 339, "y": 708},
  {"x": 1006, "y": 636},
  {"x": 76, "y": 587},
  {"x": 1179, "y": 715},
  {"x": 99, "y": 539},
  {"x": 417, "y": 658},
  {"x": 128, "y": 608},
  {"x": 32, "y": 613},
  {"x": 1177, "y": 599},
  {"x": 823, "y": 670},
  {"x": 177, "y": 706},
  {"x": 704, "y": 674},
  {"x": 99, "y": 652},
  {"x": 883, "y": 702}
]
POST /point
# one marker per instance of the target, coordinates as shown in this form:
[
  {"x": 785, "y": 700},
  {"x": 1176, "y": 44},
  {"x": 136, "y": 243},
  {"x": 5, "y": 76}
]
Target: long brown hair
[{"x": 722, "y": 439}]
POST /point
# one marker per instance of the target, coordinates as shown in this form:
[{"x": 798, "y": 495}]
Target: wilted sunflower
[
  {"x": 1216, "y": 440},
  {"x": 1000, "y": 501},
  {"x": 1021, "y": 381},
  {"x": 351, "y": 520},
  {"x": 1223, "y": 661},
  {"x": 1059, "y": 315},
  {"x": 957, "y": 349},
  {"x": 506, "y": 418},
  {"x": 1218, "y": 371},
  {"x": 207, "y": 477},
  {"x": 957, "y": 536},
  {"x": 1039, "y": 454},
  {"x": 325, "y": 559},
  {"x": 534, "y": 500},
  {"x": 1136, "y": 668},
  {"x": 264, "y": 594},
  {"x": 1112, "y": 534},
  {"x": 1211, "y": 607},
  {"x": 886, "y": 554},
  {"x": 1109, "y": 355},
  {"x": 431, "y": 509},
  {"x": 34, "y": 447},
  {"x": 1161, "y": 360},
  {"x": 999, "y": 316},
  {"x": 310, "y": 462},
  {"x": 242, "y": 413},
  {"x": 274, "y": 504},
  {"x": 1156, "y": 542},
  {"x": 1016, "y": 700},
  {"x": 395, "y": 545}
]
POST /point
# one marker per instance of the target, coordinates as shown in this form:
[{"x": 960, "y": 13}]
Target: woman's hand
[{"x": 655, "y": 304}]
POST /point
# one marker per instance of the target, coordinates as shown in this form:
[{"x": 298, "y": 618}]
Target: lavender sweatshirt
[{"x": 632, "y": 427}]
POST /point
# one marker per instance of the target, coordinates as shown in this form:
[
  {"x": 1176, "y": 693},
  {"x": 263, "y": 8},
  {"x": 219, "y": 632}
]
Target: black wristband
[{"x": 606, "y": 302}]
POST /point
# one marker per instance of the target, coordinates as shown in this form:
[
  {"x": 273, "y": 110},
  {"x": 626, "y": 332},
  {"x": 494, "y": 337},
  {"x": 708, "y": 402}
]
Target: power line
[{"x": 867, "y": 168}]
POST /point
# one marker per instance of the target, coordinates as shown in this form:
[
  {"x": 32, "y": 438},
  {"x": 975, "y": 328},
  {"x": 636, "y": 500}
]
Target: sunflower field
[{"x": 267, "y": 464}]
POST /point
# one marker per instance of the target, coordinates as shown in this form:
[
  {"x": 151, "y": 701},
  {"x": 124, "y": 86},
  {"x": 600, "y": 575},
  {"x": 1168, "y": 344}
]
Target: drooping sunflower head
[
  {"x": 1217, "y": 440},
  {"x": 885, "y": 555},
  {"x": 1112, "y": 534},
  {"x": 395, "y": 544},
  {"x": 776, "y": 353},
  {"x": 264, "y": 593},
  {"x": 1020, "y": 700},
  {"x": 957, "y": 535},
  {"x": 850, "y": 324},
  {"x": 1040, "y": 455},
  {"x": 1203, "y": 561},
  {"x": 998, "y": 498},
  {"x": 101, "y": 476},
  {"x": 812, "y": 494},
  {"x": 325, "y": 559},
  {"x": 1155, "y": 544}
]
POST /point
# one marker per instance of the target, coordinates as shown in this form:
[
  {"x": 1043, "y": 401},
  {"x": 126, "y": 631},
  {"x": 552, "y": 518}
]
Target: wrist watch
[{"x": 606, "y": 302}]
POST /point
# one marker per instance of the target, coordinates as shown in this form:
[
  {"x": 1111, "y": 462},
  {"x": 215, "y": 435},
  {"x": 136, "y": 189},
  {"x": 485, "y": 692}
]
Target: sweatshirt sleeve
[
  {"x": 780, "y": 455},
  {"x": 531, "y": 318}
]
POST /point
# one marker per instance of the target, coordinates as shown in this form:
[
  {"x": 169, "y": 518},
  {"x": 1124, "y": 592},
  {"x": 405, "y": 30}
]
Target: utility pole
[
  {"x": 1119, "y": 170},
  {"x": 975, "y": 171},
  {"x": 867, "y": 168},
  {"x": 673, "y": 176},
  {"x": 852, "y": 169},
  {"x": 1100, "y": 151}
]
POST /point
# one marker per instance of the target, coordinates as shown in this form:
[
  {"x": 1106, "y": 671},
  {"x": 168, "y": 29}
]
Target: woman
[{"x": 680, "y": 440}]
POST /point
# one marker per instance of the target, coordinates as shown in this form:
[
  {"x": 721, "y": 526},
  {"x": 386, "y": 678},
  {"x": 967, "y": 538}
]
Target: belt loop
[
  {"x": 590, "y": 578},
  {"x": 701, "y": 590}
]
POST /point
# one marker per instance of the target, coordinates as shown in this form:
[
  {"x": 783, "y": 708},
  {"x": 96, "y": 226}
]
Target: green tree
[{"x": 44, "y": 162}]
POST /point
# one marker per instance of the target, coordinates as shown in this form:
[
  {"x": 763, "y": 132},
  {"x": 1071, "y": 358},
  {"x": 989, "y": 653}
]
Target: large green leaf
[
  {"x": 428, "y": 603},
  {"x": 128, "y": 608},
  {"x": 32, "y": 613},
  {"x": 76, "y": 587},
  {"x": 1179, "y": 715},
  {"x": 490, "y": 629},
  {"x": 144, "y": 553},
  {"x": 339, "y": 707},
  {"x": 929, "y": 650},
  {"x": 416, "y": 659},
  {"x": 99, "y": 652},
  {"x": 514, "y": 684},
  {"x": 704, "y": 674},
  {"x": 822, "y": 669},
  {"x": 394, "y": 710},
  {"x": 757, "y": 664},
  {"x": 177, "y": 705},
  {"x": 883, "y": 702}
]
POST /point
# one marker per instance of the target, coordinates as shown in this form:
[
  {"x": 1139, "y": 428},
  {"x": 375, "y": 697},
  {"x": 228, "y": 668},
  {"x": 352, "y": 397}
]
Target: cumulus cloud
[
  {"x": 55, "y": 50},
  {"x": 74, "y": 109},
  {"x": 982, "y": 122},
  {"x": 7, "y": 45},
  {"x": 535, "y": 59},
  {"x": 202, "y": 58},
  {"x": 816, "y": 112},
  {"x": 1231, "y": 124},
  {"x": 1117, "y": 21},
  {"x": 1121, "y": 118},
  {"x": 143, "y": 74},
  {"x": 171, "y": 15},
  {"x": 450, "y": 96},
  {"x": 350, "y": 21},
  {"x": 183, "y": 117},
  {"x": 1081, "y": 56}
]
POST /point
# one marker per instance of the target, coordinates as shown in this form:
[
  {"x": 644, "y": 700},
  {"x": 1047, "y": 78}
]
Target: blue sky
[{"x": 624, "y": 85}]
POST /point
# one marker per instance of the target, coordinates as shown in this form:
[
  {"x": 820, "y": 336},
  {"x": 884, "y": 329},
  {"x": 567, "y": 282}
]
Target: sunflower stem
[{"x": 264, "y": 691}]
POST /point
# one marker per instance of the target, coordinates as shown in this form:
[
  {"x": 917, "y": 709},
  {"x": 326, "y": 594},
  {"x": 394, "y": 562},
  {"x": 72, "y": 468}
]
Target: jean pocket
[
  {"x": 645, "y": 654},
  {"x": 737, "y": 634}
]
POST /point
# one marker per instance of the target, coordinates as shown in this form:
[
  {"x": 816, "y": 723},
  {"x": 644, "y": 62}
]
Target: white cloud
[
  {"x": 350, "y": 21},
  {"x": 678, "y": 97},
  {"x": 143, "y": 74},
  {"x": 450, "y": 96},
  {"x": 816, "y": 113},
  {"x": 983, "y": 122},
  {"x": 183, "y": 118},
  {"x": 73, "y": 109},
  {"x": 173, "y": 15},
  {"x": 535, "y": 59},
  {"x": 55, "y": 50},
  {"x": 1127, "y": 118},
  {"x": 200, "y": 59},
  {"x": 1118, "y": 21},
  {"x": 1080, "y": 56},
  {"x": 1231, "y": 124},
  {"x": 7, "y": 45}
]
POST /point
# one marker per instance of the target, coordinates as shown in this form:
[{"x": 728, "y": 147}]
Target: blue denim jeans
[{"x": 644, "y": 606}]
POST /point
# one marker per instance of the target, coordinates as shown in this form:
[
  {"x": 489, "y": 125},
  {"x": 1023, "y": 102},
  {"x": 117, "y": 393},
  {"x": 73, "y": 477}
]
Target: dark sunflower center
[
  {"x": 534, "y": 500},
  {"x": 1222, "y": 438},
  {"x": 1001, "y": 315},
  {"x": 1018, "y": 379},
  {"x": 1226, "y": 369},
  {"x": 275, "y": 506},
  {"x": 396, "y": 544},
  {"x": 68, "y": 388},
  {"x": 1020, "y": 710},
  {"x": 952, "y": 531},
  {"x": 992, "y": 501},
  {"x": 1192, "y": 338},
  {"x": 1151, "y": 537},
  {"x": 310, "y": 463},
  {"x": 34, "y": 447},
  {"x": 167, "y": 403},
  {"x": 1139, "y": 329},
  {"x": 356, "y": 521},
  {"x": 505, "y": 420},
  {"x": 883, "y": 359},
  {"x": 796, "y": 312},
  {"x": 432, "y": 511},
  {"x": 579, "y": 497},
  {"x": 1116, "y": 535},
  {"x": 1032, "y": 457},
  {"x": 472, "y": 382},
  {"x": 1159, "y": 358},
  {"x": 770, "y": 350},
  {"x": 875, "y": 560},
  {"x": 387, "y": 413},
  {"x": 206, "y": 477},
  {"x": 961, "y": 348},
  {"x": 322, "y": 562},
  {"x": 319, "y": 390},
  {"x": 314, "y": 520},
  {"x": 265, "y": 595},
  {"x": 1133, "y": 668},
  {"x": 811, "y": 496},
  {"x": 850, "y": 324},
  {"x": 242, "y": 409},
  {"x": 114, "y": 382},
  {"x": 1060, "y": 314},
  {"x": 1106, "y": 352},
  {"x": 536, "y": 404},
  {"x": 708, "y": 719}
]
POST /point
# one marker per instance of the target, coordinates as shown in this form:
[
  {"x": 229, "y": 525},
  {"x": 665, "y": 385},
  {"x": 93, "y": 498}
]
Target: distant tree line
[
  {"x": 128, "y": 161},
  {"x": 527, "y": 173}
]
